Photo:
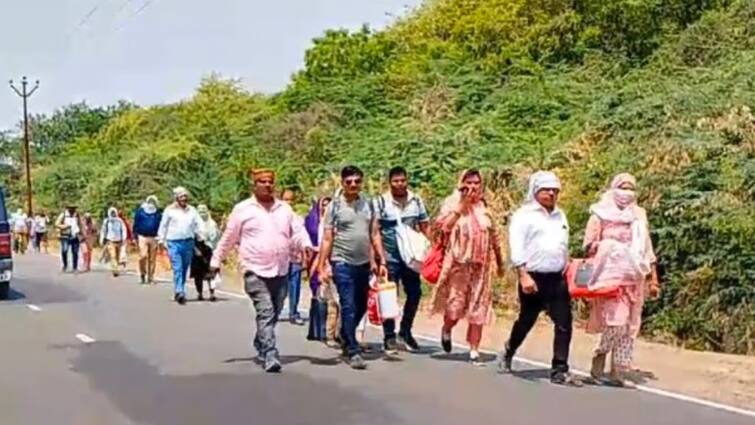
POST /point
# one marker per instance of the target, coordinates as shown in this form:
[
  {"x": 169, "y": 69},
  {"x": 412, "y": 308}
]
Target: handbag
[
  {"x": 412, "y": 245},
  {"x": 433, "y": 264},
  {"x": 579, "y": 274}
]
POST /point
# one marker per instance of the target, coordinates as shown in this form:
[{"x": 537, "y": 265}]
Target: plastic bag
[{"x": 382, "y": 302}]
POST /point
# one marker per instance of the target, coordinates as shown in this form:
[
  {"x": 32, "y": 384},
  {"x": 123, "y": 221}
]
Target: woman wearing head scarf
[
  {"x": 464, "y": 289},
  {"x": 617, "y": 237},
  {"x": 203, "y": 247},
  {"x": 113, "y": 235},
  {"x": 321, "y": 308}
]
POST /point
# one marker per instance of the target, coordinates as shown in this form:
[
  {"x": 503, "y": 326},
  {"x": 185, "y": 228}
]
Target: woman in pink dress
[
  {"x": 618, "y": 239},
  {"x": 464, "y": 290}
]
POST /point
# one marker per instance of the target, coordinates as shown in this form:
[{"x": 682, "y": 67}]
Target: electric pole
[{"x": 25, "y": 94}]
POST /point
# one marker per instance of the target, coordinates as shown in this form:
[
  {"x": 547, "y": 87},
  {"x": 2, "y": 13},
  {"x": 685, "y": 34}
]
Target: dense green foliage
[{"x": 590, "y": 88}]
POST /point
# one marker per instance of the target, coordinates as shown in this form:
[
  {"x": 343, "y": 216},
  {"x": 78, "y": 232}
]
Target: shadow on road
[
  {"x": 463, "y": 357},
  {"x": 147, "y": 396},
  {"x": 286, "y": 360},
  {"x": 13, "y": 295}
]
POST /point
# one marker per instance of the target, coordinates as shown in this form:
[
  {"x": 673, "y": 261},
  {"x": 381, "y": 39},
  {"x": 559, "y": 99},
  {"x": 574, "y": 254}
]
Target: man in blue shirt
[
  {"x": 146, "y": 224},
  {"x": 399, "y": 204}
]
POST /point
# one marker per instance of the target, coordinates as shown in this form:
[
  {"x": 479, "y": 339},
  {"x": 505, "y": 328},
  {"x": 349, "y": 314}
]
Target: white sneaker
[{"x": 474, "y": 356}]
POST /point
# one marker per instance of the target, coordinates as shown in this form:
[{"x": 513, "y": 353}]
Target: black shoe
[
  {"x": 213, "y": 298},
  {"x": 445, "y": 341},
  {"x": 567, "y": 379},
  {"x": 505, "y": 364},
  {"x": 175, "y": 297},
  {"x": 200, "y": 297},
  {"x": 181, "y": 299},
  {"x": 272, "y": 364},
  {"x": 357, "y": 362},
  {"x": 144, "y": 280},
  {"x": 410, "y": 343},
  {"x": 390, "y": 347}
]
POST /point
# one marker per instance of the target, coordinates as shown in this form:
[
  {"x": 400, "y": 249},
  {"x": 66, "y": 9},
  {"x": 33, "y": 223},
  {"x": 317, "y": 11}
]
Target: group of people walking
[
  {"x": 349, "y": 239},
  {"x": 29, "y": 229}
]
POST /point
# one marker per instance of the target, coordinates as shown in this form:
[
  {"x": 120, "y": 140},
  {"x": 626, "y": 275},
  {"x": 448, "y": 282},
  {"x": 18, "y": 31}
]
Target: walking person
[
  {"x": 39, "y": 230},
  {"x": 539, "y": 240},
  {"x": 464, "y": 289},
  {"x": 203, "y": 248},
  {"x": 297, "y": 266},
  {"x": 323, "y": 309},
  {"x": 146, "y": 225},
  {"x": 69, "y": 227},
  {"x": 127, "y": 243},
  {"x": 401, "y": 207},
  {"x": 88, "y": 238},
  {"x": 618, "y": 239},
  {"x": 113, "y": 236},
  {"x": 21, "y": 231},
  {"x": 351, "y": 250},
  {"x": 265, "y": 231},
  {"x": 179, "y": 226}
]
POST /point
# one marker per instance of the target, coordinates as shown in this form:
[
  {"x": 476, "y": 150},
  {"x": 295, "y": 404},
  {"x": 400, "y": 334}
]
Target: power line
[
  {"x": 86, "y": 18},
  {"x": 144, "y": 6}
]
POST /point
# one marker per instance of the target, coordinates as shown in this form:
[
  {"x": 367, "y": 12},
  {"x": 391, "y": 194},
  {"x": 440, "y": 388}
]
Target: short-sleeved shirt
[
  {"x": 350, "y": 222},
  {"x": 388, "y": 210}
]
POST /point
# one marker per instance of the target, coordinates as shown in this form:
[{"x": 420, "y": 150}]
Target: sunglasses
[{"x": 352, "y": 182}]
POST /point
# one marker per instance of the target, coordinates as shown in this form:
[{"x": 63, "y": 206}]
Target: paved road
[{"x": 154, "y": 362}]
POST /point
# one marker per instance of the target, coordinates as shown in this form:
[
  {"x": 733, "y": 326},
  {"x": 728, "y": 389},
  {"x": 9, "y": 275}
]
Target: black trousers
[{"x": 552, "y": 296}]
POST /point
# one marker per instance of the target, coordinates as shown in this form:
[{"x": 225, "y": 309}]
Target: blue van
[{"x": 6, "y": 257}]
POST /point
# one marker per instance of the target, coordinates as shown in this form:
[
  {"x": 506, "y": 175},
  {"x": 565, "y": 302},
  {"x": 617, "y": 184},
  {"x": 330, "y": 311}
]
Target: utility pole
[{"x": 25, "y": 94}]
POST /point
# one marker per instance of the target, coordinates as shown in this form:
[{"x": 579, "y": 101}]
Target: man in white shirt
[
  {"x": 69, "y": 226},
  {"x": 179, "y": 226},
  {"x": 539, "y": 240}
]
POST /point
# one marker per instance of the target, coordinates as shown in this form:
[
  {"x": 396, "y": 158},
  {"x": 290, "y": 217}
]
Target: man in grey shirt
[{"x": 352, "y": 245}]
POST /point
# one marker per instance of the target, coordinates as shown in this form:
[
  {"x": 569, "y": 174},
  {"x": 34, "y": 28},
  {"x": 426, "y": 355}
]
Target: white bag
[
  {"x": 413, "y": 246},
  {"x": 216, "y": 281},
  {"x": 387, "y": 298}
]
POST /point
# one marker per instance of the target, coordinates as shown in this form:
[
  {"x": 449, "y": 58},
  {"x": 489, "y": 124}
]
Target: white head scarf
[
  {"x": 542, "y": 180},
  {"x": 150, "y": 204},
  {"x": 180, "y": 191}
]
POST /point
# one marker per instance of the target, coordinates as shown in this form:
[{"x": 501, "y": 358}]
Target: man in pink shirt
[{"x": 265, "y": 231}]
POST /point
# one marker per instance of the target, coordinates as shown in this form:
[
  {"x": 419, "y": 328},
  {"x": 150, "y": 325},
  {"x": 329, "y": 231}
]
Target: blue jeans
[
  {"x": 399, "y": 273},
  {"x": 180, "y": 253},
  {"x": 294, "y": 290},
  {"x": 72, "y": 245},
  {"x": 353, "y": 284}
]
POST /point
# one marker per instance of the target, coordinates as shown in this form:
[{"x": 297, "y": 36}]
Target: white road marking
[
  {"x": 86, "y": 339},
  {"x": 647, "y": 389},
  {"x": 33, "y": 307},
  {"x": 231, "y": 294}
]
